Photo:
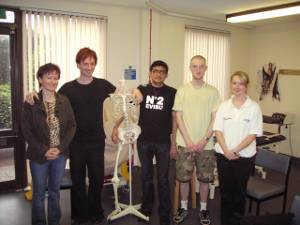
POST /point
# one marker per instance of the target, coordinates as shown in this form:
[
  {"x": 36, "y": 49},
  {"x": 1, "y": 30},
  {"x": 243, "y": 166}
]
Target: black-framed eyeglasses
[{"x": 161, "y": 72}]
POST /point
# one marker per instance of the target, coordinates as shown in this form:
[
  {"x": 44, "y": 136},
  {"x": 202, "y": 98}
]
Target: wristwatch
[{"x": 206, "y": 138}]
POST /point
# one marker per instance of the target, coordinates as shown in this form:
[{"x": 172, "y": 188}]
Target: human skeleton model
[{"x": 126, "y": 109}]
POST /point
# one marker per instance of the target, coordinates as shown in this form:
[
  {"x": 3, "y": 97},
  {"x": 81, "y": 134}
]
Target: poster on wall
[
  {"x": 130, "y": 72},
  {"x": 265, "y": 77}
]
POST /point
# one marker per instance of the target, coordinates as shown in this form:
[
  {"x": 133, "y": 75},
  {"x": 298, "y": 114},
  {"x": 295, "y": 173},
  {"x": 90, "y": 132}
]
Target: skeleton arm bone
[{"x": 115, "y": 132}]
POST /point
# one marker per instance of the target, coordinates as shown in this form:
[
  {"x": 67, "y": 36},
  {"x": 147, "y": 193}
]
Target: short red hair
[{"x": 86, "y": 53}]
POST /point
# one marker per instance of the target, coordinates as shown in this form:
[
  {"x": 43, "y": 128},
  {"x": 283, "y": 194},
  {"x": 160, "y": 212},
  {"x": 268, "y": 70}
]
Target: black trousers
[
  {"x": 233, "y": 178},
  {"x": 147, "y": 150},
  {"x": 86, "y": 205}
]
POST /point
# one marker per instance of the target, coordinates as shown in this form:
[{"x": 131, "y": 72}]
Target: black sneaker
[
  {"x": 73, "y": 222},
  {"x": 180, "y": 216},
  {"x": 164, "y": 220},
  {"x": 97, "y": 220},
  {"x": 204, "y": 217}
]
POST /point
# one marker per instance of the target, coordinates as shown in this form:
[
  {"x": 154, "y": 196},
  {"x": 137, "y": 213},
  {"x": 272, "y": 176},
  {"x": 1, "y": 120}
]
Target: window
[
  {"x": 8, "y": 16},
  {"x": 56, "y": 38},
  {"x": 5, "y": 81},
  {"x": 214, "y": 46}
]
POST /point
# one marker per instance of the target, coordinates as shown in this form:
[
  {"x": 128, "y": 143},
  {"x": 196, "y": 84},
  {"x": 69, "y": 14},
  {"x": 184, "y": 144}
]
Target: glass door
[
  {"x": 13, "y": 173},
  {"x": 7, "y": 162}
]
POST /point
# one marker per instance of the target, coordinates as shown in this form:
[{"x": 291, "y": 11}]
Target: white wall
[{"x": 279, "y": 44}]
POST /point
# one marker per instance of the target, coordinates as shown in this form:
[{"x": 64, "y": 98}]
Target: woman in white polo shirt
[{"x": 238, "y": 123}]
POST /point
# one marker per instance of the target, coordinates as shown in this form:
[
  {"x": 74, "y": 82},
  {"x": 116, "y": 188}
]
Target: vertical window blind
[
  {"x": 56, "y": 38},
  {"x": 214, "y": 46}
]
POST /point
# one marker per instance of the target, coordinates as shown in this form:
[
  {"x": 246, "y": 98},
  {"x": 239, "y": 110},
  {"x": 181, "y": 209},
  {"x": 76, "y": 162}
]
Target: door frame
[{"x": 14, "y": 138}]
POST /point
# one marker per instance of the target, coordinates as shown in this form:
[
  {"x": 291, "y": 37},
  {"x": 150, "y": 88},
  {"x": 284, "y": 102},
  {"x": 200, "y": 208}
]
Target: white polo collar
[{"x": 246, "y": 104}]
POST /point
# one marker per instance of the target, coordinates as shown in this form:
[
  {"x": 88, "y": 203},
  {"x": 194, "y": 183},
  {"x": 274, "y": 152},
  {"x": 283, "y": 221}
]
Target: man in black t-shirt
[{"x": 157, "y": 138}]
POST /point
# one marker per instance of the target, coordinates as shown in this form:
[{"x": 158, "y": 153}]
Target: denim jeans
[
  {"x": 233, "y": 177},
  {"x": 161, "y": 151},
  {"x": 87, "y": 154},
  {"x": 48, "y": 175}
]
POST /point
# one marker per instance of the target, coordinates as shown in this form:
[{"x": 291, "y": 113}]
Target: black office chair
[
  {"x": 292, "y": 218},
  {"x": 66, "y": 182},
  {"x": 259, "y": 189},
  {"x": 295, "y": 209}
]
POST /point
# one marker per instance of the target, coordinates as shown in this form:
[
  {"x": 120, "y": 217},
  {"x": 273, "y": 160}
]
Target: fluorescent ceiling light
[{"x": 264, "y": 13}]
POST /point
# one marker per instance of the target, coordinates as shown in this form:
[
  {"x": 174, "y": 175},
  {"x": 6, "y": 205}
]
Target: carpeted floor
[{"x": 16, "y": 210}]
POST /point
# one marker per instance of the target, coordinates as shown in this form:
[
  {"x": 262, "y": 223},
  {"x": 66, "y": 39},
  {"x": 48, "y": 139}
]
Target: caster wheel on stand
[{"x": 125, "y": 189}]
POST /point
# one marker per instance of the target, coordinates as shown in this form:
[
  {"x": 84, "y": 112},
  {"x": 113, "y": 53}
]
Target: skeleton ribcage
[{"x": 125, "y": 107}]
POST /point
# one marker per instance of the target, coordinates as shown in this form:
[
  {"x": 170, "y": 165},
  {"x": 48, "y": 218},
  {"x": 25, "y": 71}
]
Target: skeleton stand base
[{"x": 127, "y": 209}]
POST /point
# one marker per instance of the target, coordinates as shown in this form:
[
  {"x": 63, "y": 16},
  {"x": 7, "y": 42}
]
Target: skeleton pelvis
[{"x": 129, "y": 136}]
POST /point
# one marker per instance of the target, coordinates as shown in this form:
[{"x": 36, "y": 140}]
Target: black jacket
[{"x": 36, "y": 130}]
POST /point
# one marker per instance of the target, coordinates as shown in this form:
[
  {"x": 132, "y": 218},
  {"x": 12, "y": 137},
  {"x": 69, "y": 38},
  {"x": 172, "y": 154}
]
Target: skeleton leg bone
[{"x": 116, "y": 182}]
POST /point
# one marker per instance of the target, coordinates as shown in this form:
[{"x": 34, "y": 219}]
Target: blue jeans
[
  {"x": 48, "y": 175},
  {"x": 147, "y": 150}
]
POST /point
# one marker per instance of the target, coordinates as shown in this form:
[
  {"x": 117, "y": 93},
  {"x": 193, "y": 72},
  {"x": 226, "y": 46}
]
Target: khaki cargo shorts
[{"x": 205, "y": 163}]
